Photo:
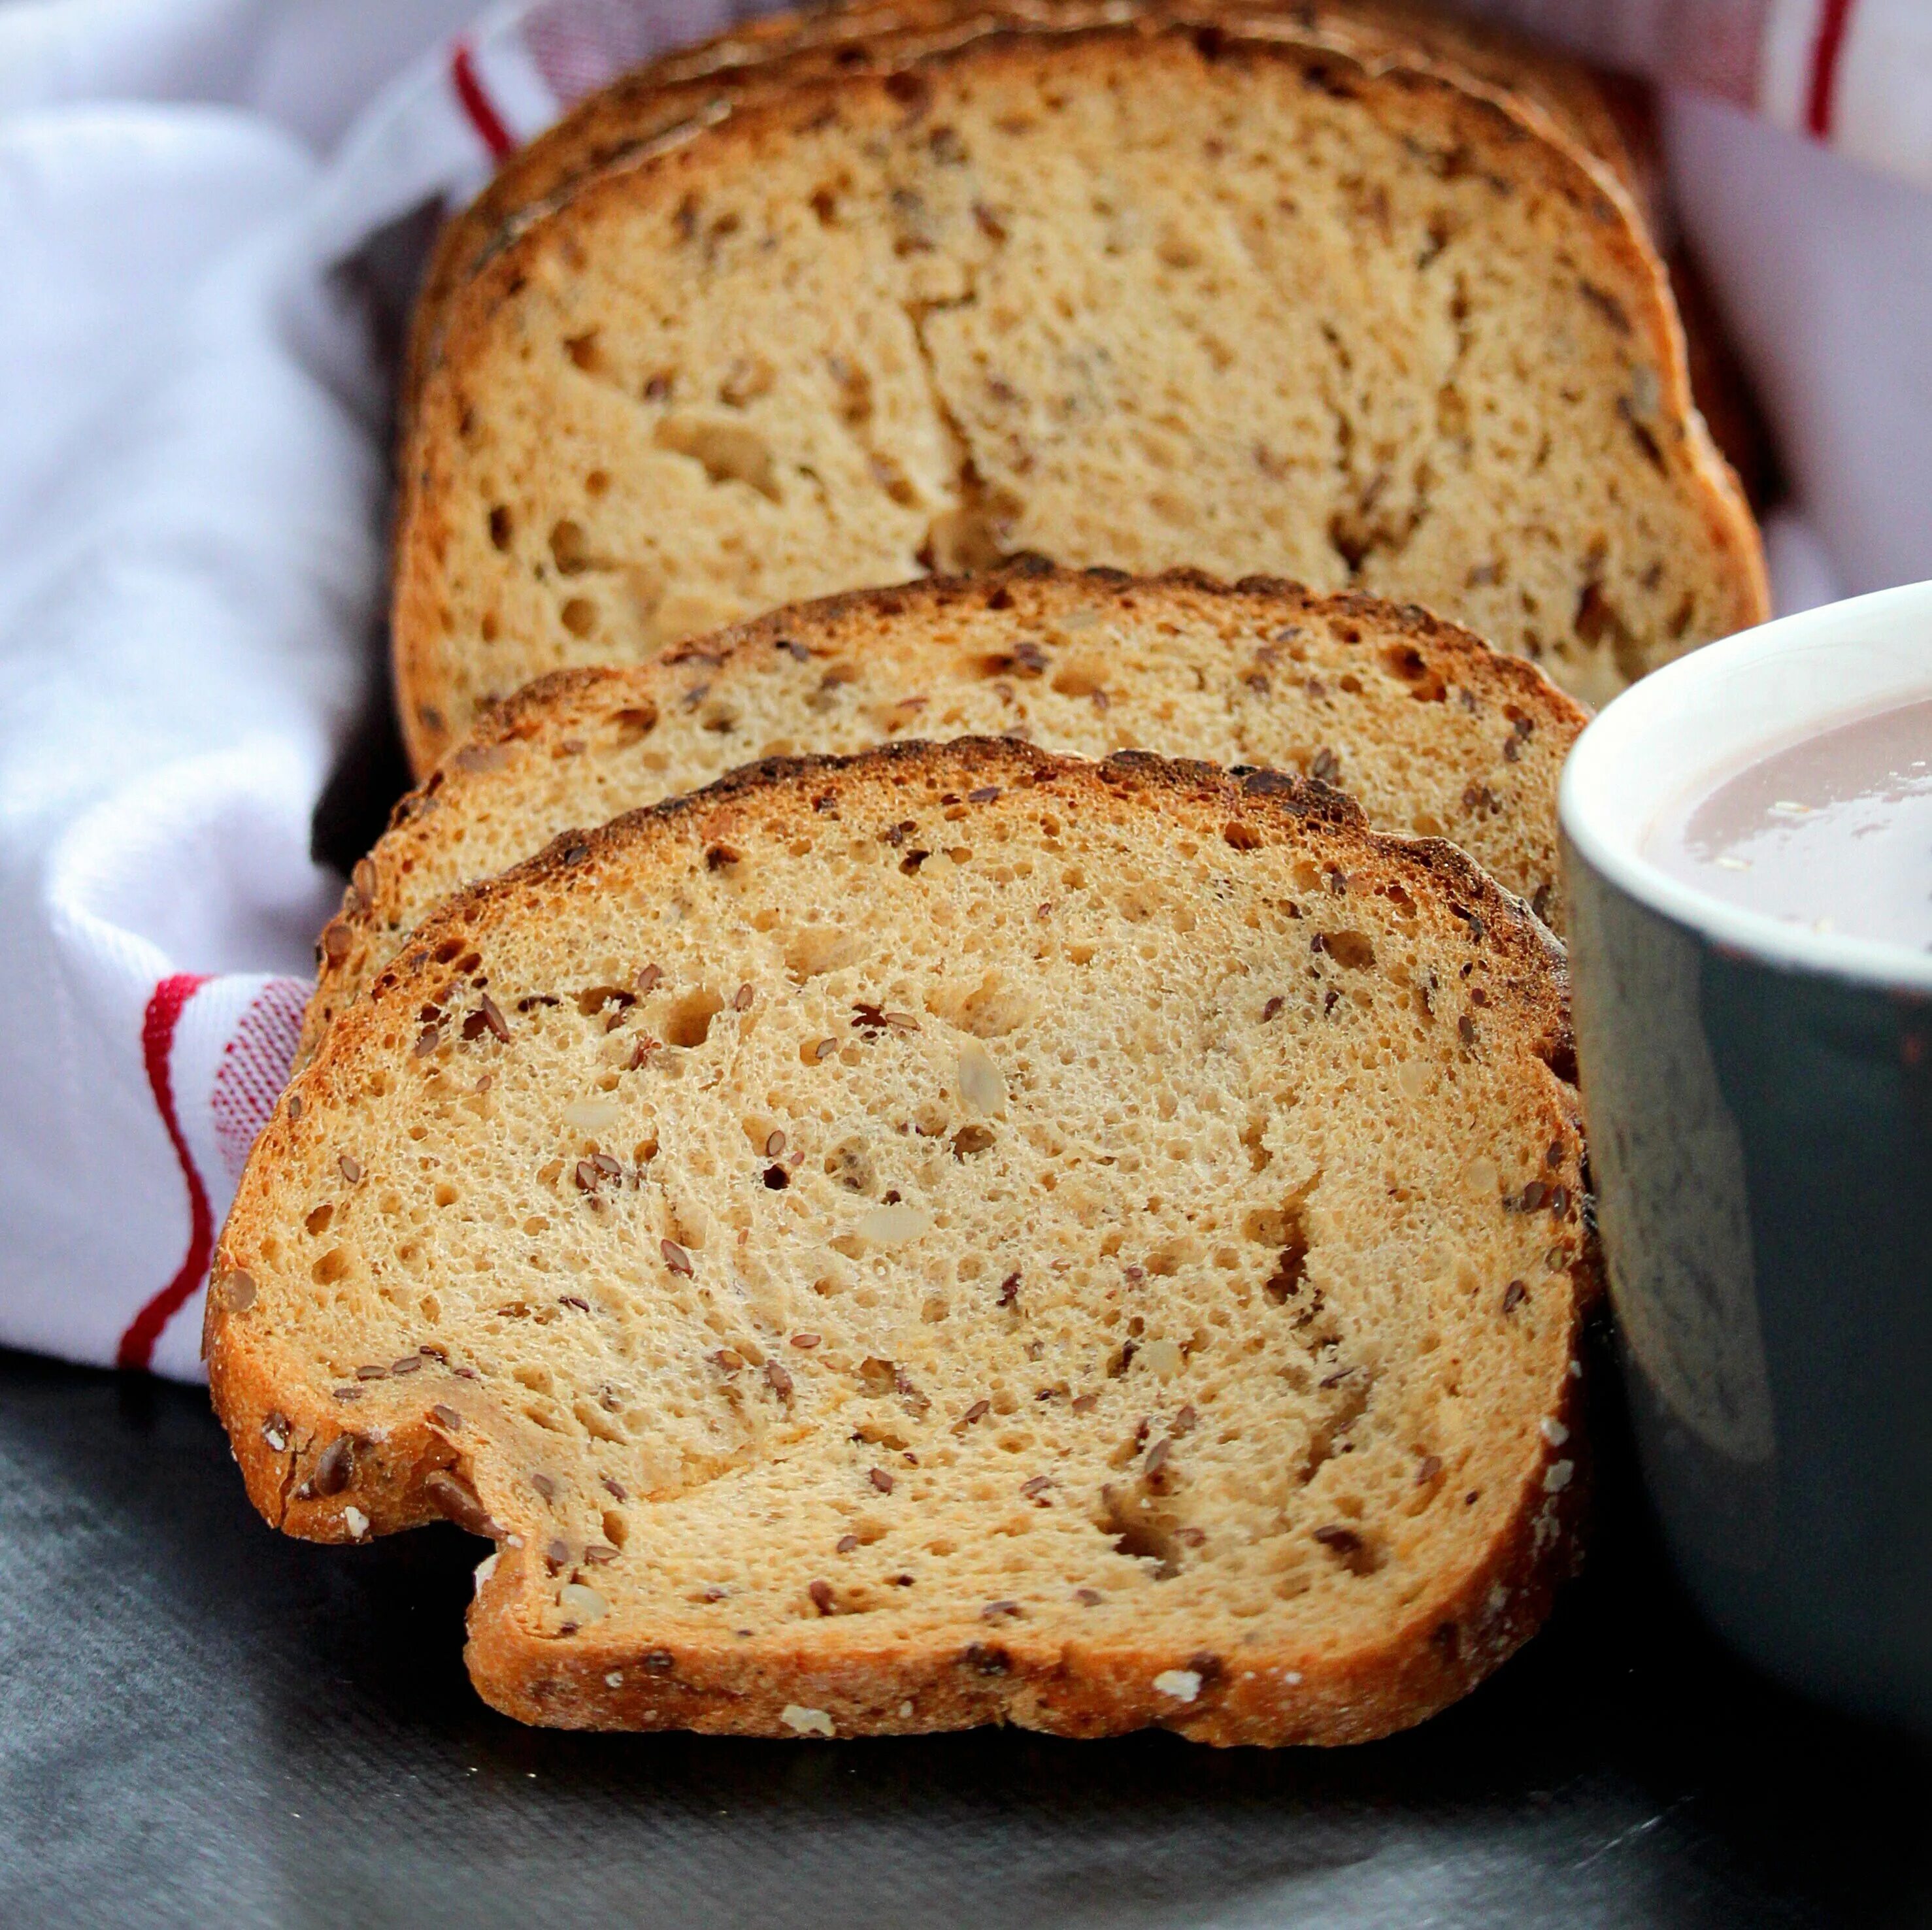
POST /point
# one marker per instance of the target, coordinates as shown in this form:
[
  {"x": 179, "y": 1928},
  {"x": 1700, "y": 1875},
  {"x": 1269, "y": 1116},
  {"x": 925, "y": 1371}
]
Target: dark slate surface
[{"x": 202, "y": 1723}]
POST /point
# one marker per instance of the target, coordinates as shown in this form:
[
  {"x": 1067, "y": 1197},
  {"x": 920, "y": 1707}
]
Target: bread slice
[
  {"x": 780, "y": 49},
  {"x": 1125, "y": 1269},
  {"x": 1133, "y": 297},
  {"x": 1430, "y": 730}
]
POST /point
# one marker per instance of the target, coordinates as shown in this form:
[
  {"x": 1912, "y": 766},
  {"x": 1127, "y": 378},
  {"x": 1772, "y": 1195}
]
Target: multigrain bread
[
  {"x": 878, "y": 36},
  {"x": 1428, "y": 728},
  {"x": 1140, "y": 297},
  {"x": 1126, "y": 1270}
]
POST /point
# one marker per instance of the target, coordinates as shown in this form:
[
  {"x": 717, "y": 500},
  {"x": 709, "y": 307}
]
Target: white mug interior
[{"x": 1693, "y": 723}]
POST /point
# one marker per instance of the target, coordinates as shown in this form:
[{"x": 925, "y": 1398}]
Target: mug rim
[{"x": 1614, "y": 766}]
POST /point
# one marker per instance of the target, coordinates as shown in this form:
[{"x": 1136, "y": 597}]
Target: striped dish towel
[
  {"x": 192, "y": 495},
  {"x": 1855, "y": 74}
]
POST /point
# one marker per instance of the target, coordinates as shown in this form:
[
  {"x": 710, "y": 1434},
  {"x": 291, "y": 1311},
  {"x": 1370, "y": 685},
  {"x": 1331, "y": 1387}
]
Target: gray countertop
[{"x": 202, "y": 1723}]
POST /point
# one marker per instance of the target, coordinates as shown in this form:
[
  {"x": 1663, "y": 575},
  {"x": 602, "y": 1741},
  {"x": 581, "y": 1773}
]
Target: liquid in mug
[{"x": 1834, "y": 833}]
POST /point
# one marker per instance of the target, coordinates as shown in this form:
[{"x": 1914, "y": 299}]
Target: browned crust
[
  {"x": 1449, "y": 1643},
  {"x": 1517, "y": 140},
  {"x": 555, "y": 705},
  {"x": 780, "y": 49}
]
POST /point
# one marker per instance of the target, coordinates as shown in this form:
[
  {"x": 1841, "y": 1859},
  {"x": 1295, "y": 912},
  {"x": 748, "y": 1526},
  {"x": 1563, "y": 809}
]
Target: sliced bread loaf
[
  {"x": 1426, "y": 726},
  {"x": 877, "y": 36},
  {"x": 1136, "y": 297},
  {"x": 1126, "y": 1269}
]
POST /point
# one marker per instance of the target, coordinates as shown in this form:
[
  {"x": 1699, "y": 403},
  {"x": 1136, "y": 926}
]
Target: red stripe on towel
[
  {"x": 157, "y": 1040},
  {"x": 478, "y": 105},
  {"x": 1834, "y": 19}
]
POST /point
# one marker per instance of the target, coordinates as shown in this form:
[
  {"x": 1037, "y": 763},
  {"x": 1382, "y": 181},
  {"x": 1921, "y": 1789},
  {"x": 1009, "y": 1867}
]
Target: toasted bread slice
[
  {"x": 878, "y": 36},
  {"x": 1427, "y": 728},
  {"x": 1125, "y": 1269},
  {"x": 1392, "y": 338}
]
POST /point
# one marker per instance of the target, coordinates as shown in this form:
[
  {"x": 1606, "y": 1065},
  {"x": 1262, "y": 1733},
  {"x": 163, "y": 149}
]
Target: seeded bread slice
[
  {"x": 1126, "y": 1270},
  {"x": 1135, "y": 297},
  {"x": 1430, "y": 730},
  {"x": 878, "y": 36}
]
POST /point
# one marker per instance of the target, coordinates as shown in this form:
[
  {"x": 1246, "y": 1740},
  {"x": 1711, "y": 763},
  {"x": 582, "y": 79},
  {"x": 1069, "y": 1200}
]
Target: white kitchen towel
[{"x": 192, "y": 492}]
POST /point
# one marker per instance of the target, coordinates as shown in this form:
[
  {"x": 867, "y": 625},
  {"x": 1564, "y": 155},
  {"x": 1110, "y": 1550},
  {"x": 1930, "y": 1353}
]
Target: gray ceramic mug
[{"x": 1760, "y": 1103}]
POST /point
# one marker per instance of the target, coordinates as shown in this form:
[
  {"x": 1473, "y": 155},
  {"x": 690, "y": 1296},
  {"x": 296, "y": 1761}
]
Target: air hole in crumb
[
  {"x": 1354, "y": 951},
  {"x": 1135, "y": 1535},
  {"x": 850, "y": 1164},
  {"x": 1291, "y": 1268},
  {"x": 689, "y": 1023}
]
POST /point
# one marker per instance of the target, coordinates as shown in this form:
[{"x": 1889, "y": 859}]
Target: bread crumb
[
  {"x": 358, "y": 1522},
  {"x": 1556, "y": 1477},
  {"x": 1554, "y": 1432},
  {"x": 1183, "y": 1685},
  {"x": 1162, "y": 1357},
  {"x": 806, "y": 1721},
  {"x": 485, "y": 1568},
  {"x": 615, "y": 1679}
]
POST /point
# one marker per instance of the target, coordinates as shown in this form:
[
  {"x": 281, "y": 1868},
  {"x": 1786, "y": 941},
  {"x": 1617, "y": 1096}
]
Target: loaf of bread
[
  {"x": 877, "y": 36},
  {"x": 1139, "y": 296},
  {"x": 1427, "y": 728},
  {"x": 1126, "y": 1268}
]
